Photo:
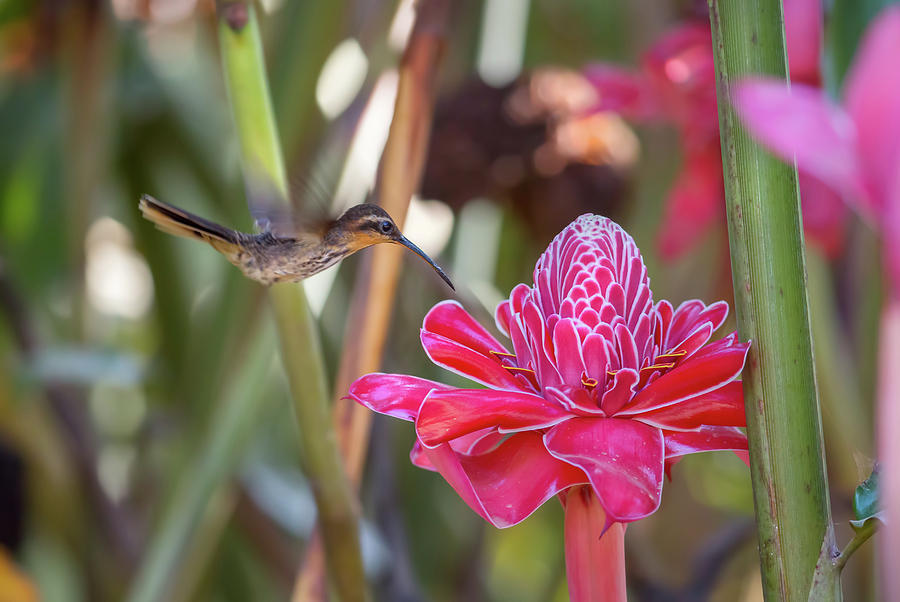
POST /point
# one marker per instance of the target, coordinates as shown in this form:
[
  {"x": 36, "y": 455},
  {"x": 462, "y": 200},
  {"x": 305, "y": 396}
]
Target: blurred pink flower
[
  {"x": 676, "y": 84},
  {"x": 855, "y": 148},
  {"x": 602, "y": 392}
]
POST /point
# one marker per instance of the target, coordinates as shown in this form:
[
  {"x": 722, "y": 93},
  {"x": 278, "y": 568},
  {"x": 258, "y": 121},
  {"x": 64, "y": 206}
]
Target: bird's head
[{"x": 365, "y": 225}]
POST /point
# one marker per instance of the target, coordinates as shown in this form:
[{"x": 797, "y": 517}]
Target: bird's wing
[{"x": 309, "y": 205}]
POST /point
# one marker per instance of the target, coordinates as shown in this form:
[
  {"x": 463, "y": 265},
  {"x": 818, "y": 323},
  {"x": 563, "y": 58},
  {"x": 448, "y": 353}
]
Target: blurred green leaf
[{"x": 866, "y": 501}]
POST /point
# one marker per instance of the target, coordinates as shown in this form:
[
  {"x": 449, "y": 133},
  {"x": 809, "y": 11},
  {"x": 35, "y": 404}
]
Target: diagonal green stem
[
  {"x": 769, "y": 272},
  {"x": 300, "y": 347},
  {"x": 229, "y": 429}
]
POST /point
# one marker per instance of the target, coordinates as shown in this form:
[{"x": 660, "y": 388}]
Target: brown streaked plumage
[{"x": 268, "y": 257}]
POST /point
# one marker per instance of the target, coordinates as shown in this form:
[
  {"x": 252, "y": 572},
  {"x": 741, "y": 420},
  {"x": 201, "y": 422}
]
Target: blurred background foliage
[{"x": 119, "y": 343}]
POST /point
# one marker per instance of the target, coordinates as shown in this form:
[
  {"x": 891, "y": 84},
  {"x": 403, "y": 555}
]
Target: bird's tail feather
[{"x": 173, "y": 220}]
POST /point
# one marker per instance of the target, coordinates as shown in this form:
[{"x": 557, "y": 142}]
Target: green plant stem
[
  {"x": 229, "y": 430},
  {"x": 859, "y": 538},
  {"x": 300, "y": 347},
  {"x": 769, "y": 274}
]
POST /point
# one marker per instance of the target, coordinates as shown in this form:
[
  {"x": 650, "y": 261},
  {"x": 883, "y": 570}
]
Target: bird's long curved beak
[{"x": 405, "y": 242}]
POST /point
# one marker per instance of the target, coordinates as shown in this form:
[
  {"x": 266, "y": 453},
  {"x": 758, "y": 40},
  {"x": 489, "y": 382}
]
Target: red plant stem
[
  {"x": 595, "y": 561},
  {"x": 889, "y": 445}
]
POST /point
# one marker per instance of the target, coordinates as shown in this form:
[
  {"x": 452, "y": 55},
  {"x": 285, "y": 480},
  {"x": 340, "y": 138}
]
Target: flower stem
[
  {"x": 595, "y": 560},
  {"x": 769, "y": 273},
  {"x": 300, "y": 347}
]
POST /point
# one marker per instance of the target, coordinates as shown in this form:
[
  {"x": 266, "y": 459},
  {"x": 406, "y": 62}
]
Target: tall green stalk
[
  {"x": 301, "y": 353},
  {"x": 228, "y": 431},
  {"x": 769, "y": 272}
]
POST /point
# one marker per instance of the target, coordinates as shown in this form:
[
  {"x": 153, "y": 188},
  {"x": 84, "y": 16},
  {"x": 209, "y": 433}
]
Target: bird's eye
[{"x": 385, "y": 227}]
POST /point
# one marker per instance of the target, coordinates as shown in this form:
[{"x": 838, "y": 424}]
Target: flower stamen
[
  {"x": 588, "y": 382},
  {"x": 500, "y": 354},
  {"x": 516, "y": 369},
  {"x": 658, "y": 367},
  {"x": 674, "y": 355}
]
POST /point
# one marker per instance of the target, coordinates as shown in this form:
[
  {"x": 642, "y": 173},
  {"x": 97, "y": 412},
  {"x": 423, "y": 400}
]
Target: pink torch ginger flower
[
  {"x": 603, "y": 390},
  {"x": 676, "y": 84}
]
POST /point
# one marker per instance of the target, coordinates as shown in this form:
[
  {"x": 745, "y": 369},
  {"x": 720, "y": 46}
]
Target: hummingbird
[{"x": 287, "y": 254}]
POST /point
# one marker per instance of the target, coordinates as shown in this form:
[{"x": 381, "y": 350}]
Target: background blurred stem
[
  {"x": 768, "y": 267},
  {"x": 844, "y": 411},
  {"x": 301, "y": 351},
  {"x": 400, "y": 172},
  {"x": 229, "y": 429},
  {"x": 846, "y": 24},
  {"x": 88, "y": 52}
]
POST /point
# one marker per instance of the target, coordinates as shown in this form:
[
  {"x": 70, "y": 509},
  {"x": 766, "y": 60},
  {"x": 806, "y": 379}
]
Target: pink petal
[
  {"x": 824, "y": 215},
  {"x": 803, "y": 34},
  {"x": 567, "y": 344},
  {"x": 419, "y": 458},
  {"x": 445, "y": 417},
  {"x": 622, "y": 458},
  {"x": 622, "y": 91},
  {"x": 450, "y": 320},
  {"x": 695, "y": 204},
  {"x": 710, "y": 368},
  {"x": 595, "y": 554},
  {"x": 692, "y": 314},
  {"x": 873, "y": 100},
  {"x": 396, "y": 395},
  {"x": 722, "y": 407},
  {"x": 469, "y": 363},
  {"x": 507, "y": 484},
  {"x": 576, "y": 400},
  {"x": 503, "y": 316},
  {"x": 621, "y": 391},
  {"x": 707, "y": 438},
  {"x": 800, "y": 121},
  {"x": 473, "y": 444}
]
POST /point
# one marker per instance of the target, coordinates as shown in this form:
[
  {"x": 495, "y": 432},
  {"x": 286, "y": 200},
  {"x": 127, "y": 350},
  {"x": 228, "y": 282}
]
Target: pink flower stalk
[
  {"x": 602, "y": 392},
  {"x": 677, "y": 84},
  {"x": 854, "y": 149}
]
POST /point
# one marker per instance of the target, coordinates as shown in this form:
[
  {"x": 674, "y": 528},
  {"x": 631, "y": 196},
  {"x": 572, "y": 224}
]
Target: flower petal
[
  {"x": 502, "y": 317},
  {"x": 450, "y": 320},
  {"x": 621, "y": 391},
  {"x": 622, "y": 458},
  {"x": 445, "y": 417},
  {"x": 722, "y": 407},
  {"x": 622, "y": 91},
  {"x": 712, "y": 367},
  {"x": 506, "y": 485},
  {"x": 690, "y": 316},
  {"x": 801, "y": 121},
  {"x": 595, "y": 554},
  {"x": 694, "y": 204},
  {"x": 467, "y": 362},
  {"x": 872, "y": 99},
  {"x": 706, "y": 438},
  {"x": 396, "y": 395},
  {"x": 803, "y": 37}
]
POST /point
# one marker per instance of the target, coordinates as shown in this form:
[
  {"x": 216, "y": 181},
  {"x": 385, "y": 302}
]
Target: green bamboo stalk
[
  {"x": 769, "y": 273},
  {"x": 301, "y": 353}
]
